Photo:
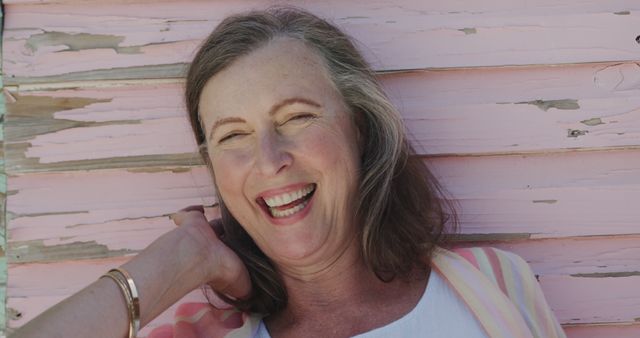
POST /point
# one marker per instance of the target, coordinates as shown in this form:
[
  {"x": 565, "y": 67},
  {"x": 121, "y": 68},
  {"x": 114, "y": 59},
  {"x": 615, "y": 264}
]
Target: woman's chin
[{"x": 292, "y": 252}]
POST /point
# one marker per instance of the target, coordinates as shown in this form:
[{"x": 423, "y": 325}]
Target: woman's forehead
[
  {"x": 283, "y": 60},
  {"x": 274, "y": 72}
]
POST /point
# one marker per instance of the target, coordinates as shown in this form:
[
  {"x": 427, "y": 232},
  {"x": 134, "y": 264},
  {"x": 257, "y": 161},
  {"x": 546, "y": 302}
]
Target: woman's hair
[{"x": 401, "y": 209}]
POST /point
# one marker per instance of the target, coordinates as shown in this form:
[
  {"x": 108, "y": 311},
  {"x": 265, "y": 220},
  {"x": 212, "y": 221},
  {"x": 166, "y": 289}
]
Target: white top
[{"x": 439, "y": 313}]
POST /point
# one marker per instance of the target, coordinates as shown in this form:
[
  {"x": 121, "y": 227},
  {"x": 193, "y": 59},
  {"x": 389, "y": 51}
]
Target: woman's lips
[{"x": 281, "y": 209}]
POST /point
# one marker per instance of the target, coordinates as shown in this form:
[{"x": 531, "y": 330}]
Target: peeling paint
[
  {"x": 607, "y": 274},
  {"x": 576, "y": 132},
  {"x": 13, "y": 314},
  {"x": 152, "y": 170},
  {"x": 565, "y": 104},
  {"x": 34, "y": 115},
  {"x": 117, "y": 220},
  {"x": 37, "y": 251},
  {"x": 18, "y": 163},
  {"x": 546, "y": 201},
  {"x": 618, "y": 77},
  {"x": 468, "y": 31},
  {"x": 15, "y": 216},
  {"x": 173, "y": 70},
  {"x": 80, "y": 41},
  {"x": 622, "y": 13},
  {"x": 592, "y": 122}
]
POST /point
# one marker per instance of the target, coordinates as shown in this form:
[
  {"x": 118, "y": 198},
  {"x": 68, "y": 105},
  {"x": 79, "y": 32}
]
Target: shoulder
[
  {"x": 503, "y": 267},
  {"x": 514, "y": 277}
]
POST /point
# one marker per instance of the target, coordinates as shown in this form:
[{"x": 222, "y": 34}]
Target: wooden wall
[{"x": 528, "y": 111}]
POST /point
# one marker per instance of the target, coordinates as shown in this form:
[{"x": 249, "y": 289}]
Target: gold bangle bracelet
[
  {"x": 128, "y": 288},
  {"x": 135, "y": 300}
]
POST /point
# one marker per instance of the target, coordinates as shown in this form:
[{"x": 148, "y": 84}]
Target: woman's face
[{"x": 284, "y": 152}]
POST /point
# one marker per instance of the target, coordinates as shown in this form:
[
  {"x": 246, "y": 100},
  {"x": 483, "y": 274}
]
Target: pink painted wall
[{"x": 529, "y": 113}]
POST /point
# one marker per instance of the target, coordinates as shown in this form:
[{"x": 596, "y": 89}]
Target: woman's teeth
[
  {"x": 288, "y": 212},
  {"x": 286, "y": 198},
  {"x": 292, "y": 202}
]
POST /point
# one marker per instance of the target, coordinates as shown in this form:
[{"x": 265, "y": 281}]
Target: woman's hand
[{"x": 224, "y": 270}]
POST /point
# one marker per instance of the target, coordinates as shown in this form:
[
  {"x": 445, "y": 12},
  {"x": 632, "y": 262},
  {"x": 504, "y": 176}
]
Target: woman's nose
[{"x": 272, "y": 156}]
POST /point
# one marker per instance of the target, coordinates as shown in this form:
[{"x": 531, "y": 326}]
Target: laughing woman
[{"x": 330, "y": 226}]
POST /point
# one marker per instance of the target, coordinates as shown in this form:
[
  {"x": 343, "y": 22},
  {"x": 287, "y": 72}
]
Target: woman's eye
[
  {"x": 301, "y": 118},
  {"x": 230, "y": 136}
]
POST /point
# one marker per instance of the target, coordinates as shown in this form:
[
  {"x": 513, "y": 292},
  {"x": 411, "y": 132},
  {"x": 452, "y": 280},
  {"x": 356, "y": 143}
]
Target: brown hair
[{"x": 401, "y": 210}]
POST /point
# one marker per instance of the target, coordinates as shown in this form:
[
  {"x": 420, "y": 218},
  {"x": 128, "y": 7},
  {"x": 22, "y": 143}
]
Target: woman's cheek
[
  {"x": 229, "y": 168},
  {"x": 321, "y": 141}
]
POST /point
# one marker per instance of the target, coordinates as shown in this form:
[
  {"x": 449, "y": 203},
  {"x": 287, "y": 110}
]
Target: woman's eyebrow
[
  {"x": 292, "y": 100},
  {"x": 272, "y": 111},
  {"x": 224, "y": 120}
]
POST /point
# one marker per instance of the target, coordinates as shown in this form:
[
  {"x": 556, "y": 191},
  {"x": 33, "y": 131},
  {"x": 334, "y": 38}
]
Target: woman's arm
[{"x": 172, "y": 266}]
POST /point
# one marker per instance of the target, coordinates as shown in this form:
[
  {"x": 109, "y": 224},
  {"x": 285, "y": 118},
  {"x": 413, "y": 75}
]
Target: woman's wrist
[{"x": 166, "y": 271}]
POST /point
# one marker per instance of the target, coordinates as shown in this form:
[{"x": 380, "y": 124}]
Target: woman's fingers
[
  {"x": 227, "y": 273},
  {"x": 191, "y": 211},
  {"x": 197, "y": 211}
]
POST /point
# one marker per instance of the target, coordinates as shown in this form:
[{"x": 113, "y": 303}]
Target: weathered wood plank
[
  {"x": 520, "y": 110},
  {"x": 3, "y": 191},
  {"x": 124, "y": 126},
  {"x": 40, "y": 39},
  {"x": 593, "y": 299},
  {"x": 80, "y": 214},
  {"x": 85, "y": 214},
  {"x": 598, "y": 256},
  {"x": 471, "y": 111},
  {"x": 599, "y": 331},
  {"x": 545, "y": 195}
]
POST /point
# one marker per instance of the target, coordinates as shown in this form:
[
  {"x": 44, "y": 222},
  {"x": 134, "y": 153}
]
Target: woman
[{"x": 330, "y": 228}]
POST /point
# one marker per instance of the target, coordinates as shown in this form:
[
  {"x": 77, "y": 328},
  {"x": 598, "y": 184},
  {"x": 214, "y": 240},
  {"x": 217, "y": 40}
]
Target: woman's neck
[{"x": 344, "y": 292}]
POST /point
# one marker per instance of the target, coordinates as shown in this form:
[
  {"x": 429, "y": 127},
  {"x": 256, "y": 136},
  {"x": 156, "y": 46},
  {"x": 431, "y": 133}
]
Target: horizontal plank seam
[{"x": 96, "y": 83}]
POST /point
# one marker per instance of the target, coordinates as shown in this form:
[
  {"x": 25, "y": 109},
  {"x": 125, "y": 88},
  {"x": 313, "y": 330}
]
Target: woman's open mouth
[{"x": 288, "y": 204}]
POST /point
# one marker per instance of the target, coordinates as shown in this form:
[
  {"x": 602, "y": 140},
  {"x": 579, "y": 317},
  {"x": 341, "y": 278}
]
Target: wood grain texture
[
  {"x": 545, "y": 195},
  {"x": 520, "y": 110},
  {"x": 597, "y": 256},
  {"x": 596, "y": 300},
  {"x": 62, "y": 216},
  {"x": 3, "y": 191},
  {"x": 453, "y": 112},
  {"x": 600, "y": 331},
  {"x": 125, "y": 126},
  {"x": 40, "y": 39}
]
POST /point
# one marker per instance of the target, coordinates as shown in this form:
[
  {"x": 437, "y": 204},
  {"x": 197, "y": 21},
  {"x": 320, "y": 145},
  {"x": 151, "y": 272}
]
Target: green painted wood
[{"x": 3, "y": 191}]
